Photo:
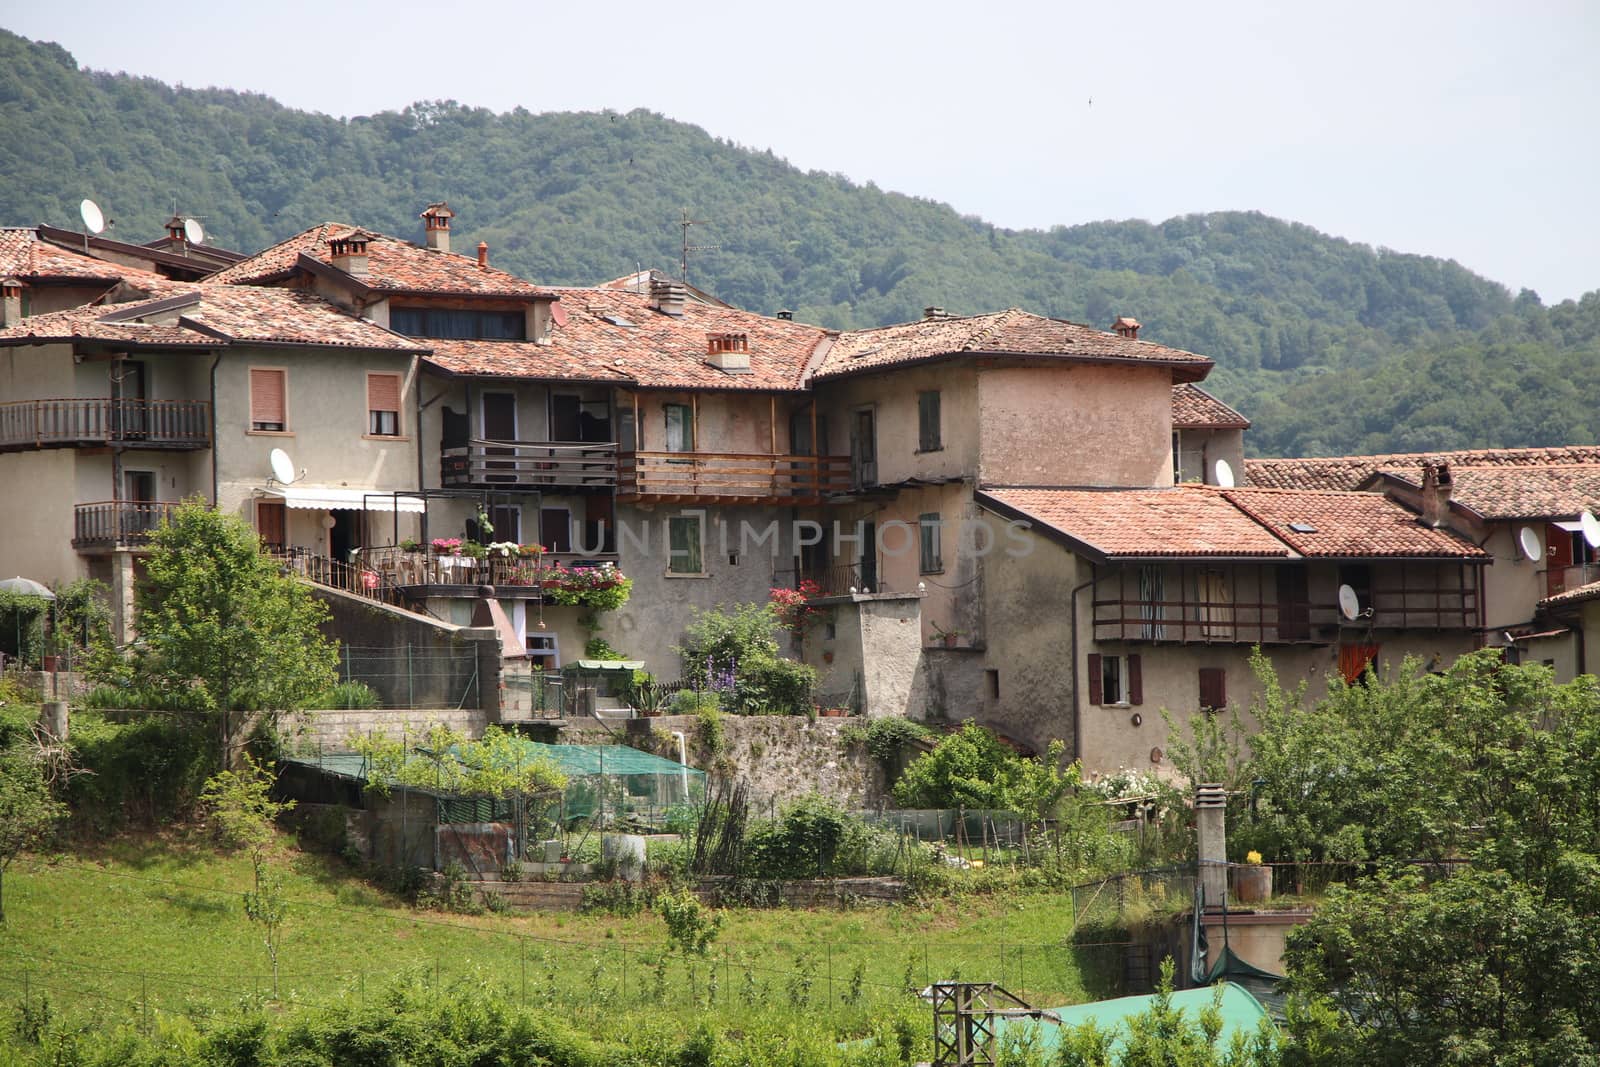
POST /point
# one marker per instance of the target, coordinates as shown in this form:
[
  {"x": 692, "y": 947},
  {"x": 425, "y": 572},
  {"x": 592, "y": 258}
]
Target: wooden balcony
[
  {"x": 117, "y": 523},
  {"x": 530, "y": 465},
  {"x": 730, "y": 477},
  {"x": 833, "y": 579},
  {"x": 423, "y": 573},
  {"x": 89, "y": 422}
]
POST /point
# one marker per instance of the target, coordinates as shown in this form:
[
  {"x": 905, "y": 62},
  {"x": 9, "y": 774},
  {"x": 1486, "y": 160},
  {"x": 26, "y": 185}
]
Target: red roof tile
[
  {"x": 1544, "y": 492},
  {"x": 1344, "y": 525},
  {"x": 1195, "y": 409},
  {"x": 1349, "y": 472},
  {"x": 653, "y": 350},
  {"x": 393, "y": 266},
  {"x": 1010, "y": 332},
  {"x": 1572, "y": 596},
  {"x": 23, "y": 254},
  {"x": 1138, "y": 523}
]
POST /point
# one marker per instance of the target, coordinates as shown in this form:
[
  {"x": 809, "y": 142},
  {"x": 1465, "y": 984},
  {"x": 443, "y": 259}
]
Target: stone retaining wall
[
  {"x": 331, "y": 730},
  {"x": 804, "y": 893}
]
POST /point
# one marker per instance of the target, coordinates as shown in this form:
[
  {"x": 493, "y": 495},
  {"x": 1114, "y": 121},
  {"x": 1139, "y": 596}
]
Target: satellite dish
[
  {"x": 1224, "y": 473},
  {"x": 282, "y": 466},
  {"x": 1349, "y": 603},
  {"x": 194, "y": 232},
  {"x": 558, "y": 313},
  {"x": 1528, "y": 541},
  {"x": 1591, "y": 528},
  {"x": 93, "y": 218}
]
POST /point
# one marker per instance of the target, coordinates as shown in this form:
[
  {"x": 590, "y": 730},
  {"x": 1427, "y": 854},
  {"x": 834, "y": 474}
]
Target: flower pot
[
  {"x": 52, "y": 663},
  {"x": 1252, "y": 883},
  {"x": 950, "y": 640},
  {"x": 834, "y": 713}
]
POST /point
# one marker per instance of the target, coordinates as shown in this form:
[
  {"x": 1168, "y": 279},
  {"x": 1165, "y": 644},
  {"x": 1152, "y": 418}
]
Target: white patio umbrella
[{"x": 24, "y": 587}]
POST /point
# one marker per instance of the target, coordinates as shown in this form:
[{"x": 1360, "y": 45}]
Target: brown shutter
[
  {"x": 269, "y": 522},
  {"x": 1213, "y": 688},
  {"x": 383, "y": 392},
  {"x": 266, "y": 397},
  {"x": 1135, "y": 681},
  {"x": 1095, "y": 692}
]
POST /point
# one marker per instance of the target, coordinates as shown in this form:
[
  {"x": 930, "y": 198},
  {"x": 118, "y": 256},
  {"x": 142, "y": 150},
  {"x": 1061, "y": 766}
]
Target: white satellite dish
[
  {"x": 282, "y": 466},
  {"x": 1591, "y": 528},
  {"x": 1528, "y": 541},
  {"x": 193, "y": 232},
  {"x": 1224, "y": 473},
  {"x": 1349, "y": 603},
  {"x": 93, "y": 218}
]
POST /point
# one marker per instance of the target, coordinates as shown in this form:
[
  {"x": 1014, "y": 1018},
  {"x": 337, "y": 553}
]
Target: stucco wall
[
  {"x": 893, "y": 397},
  {"x": 726, "y": 422},
  {"x": 1199, "y": 450},
  {"x": 873, "y": 660},
  {"x": 39, "y": 490},
  {"x": 1075, "y": 424},
  {"x": 1513, "y": 584}
]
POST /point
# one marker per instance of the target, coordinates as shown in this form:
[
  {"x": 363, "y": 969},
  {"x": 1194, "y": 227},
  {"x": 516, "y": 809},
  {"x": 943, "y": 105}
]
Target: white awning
[
  {"x": 1570, "y": 527},
  {"x": 320, "y": 498}
]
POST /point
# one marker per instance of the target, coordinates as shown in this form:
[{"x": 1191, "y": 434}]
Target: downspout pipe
[
  {"x": 216, "y": 359},
  {"x": 1077, "y": 705}
]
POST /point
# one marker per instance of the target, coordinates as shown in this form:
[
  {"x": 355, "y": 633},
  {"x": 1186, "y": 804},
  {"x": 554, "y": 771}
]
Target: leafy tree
[
  {"x": 28, "y": 813},
  {"x": 240, "y": 801},
  {"x": 975, "y": 769},
  {"x": 734, "y": 652},
  {"x": 691, "y": 926},
  {"x": 223, "y": 634},
  {"x": 446, "y": 762}
]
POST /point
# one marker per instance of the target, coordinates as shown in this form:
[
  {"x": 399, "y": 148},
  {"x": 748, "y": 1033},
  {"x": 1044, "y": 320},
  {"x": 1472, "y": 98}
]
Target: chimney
[
  {"x": 786, "y": 315},
  {"x": 1211, "y": 824},
  {"x": 350, "y": 252},
  {"x": 1126, "y": 327},
  {"x": 483, "y": 255},
  {"x": 11, "y": 301},
  {"x": 175, "y": 232},
  {"x": 728, "y": 351},
  {"x": 668, "y": 297},
  {"x": 1436, "y": 486},
  {"x": 436, "y": 222},
  {"x": 933, "y": 314}
]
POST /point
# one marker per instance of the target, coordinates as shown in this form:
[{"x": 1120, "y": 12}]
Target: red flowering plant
[{"x": 794, "y": 607}]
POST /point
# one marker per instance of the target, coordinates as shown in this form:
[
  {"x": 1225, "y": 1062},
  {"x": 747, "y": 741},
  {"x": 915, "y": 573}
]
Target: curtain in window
[
  {"x": 1216, "y": 605},
  {"x": 1152, "y": 591}
]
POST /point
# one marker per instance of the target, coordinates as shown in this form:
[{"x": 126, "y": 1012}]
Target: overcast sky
[{"x": 1469, "y": 130}]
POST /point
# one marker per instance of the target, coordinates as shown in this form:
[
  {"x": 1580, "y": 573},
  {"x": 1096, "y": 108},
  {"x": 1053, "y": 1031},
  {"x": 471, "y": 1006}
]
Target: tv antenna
[{"x": 683, "y": 263}]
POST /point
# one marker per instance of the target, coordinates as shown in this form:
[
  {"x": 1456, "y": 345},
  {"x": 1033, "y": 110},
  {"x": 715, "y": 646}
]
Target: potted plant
[
  {"x": 1252, "y": 880},
  {"x": 410, "y": 545},
  {"x": 949, "y": 638}
]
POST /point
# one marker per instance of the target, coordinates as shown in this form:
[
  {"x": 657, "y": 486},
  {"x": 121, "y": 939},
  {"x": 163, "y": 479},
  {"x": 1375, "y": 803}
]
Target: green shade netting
[{"x": 1241, "y": 1013}]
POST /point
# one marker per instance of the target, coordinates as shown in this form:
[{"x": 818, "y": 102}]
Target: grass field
[{"x": 145, "y": 926}]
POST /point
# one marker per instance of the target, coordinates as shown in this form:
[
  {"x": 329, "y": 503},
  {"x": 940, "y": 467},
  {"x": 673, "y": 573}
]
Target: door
[
  {"x": 1294, "y": 604},
  {"x": 864, "y": 449},
  {"x": 869, "y": 557},
  {"x": 500, "y": 424},
  {"x": 555, "y": 529},
  {"x": 801, "y": 444},
  {"x": 130, "y": 414},
  {"x": 270, "y": 524},
  {"x": 680, "y": 427},
  {"x": 1557, "y": 557},
  {"x": 599, "y": 525},
  {"x": 140, "y": 517},
  {"x": 566, "y": 416}
]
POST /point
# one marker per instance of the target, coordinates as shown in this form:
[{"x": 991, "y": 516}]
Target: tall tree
[{"x": 28, "y": 813}]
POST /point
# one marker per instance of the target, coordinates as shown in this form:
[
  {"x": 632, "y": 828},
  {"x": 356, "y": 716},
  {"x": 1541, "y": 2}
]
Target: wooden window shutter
[
  {"x": 1213, "y": 688},
  {"x": 1095, "y": 691},
  {"x": 266, "y": 397},
  {"x": 383, "y": 392},
  {"x": 1135, "y": 681},
  {"x": 270, "y": 522}
]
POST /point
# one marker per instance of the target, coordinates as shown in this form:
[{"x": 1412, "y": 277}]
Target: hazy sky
[{"x": 1469, "y": 130}]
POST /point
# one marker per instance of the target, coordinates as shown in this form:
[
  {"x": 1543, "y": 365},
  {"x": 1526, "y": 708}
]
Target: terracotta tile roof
[
  {"x": 1138, "y": 523},
  {"x": 1349, "y": 472},
  {"x": 654, "y": 350},
  {"x": 1572, "y": 596},
  {"x": 1010, "y": 332},
  {"x": 393, "y": 266},
  {"x": 1544, "y": 492},
  {"x": 1345, "y": 525},
  {"x": 640, "y": 281},
  {"x": 212, "y": 316},
  {"x": 1195, "y": 409},
  {"x": 23, "y": 254}
]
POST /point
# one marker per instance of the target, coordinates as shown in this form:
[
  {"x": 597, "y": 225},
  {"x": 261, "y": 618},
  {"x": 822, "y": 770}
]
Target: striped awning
[{"x": 325, "y": 498}]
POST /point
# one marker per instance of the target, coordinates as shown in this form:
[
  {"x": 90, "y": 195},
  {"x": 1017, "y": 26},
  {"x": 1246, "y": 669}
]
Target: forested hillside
[{"x": 1330, "y": 346}]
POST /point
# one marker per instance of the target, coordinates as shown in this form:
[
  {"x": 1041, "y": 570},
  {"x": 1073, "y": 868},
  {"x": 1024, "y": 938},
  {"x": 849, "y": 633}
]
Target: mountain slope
[{"x": 576, "y": 198}]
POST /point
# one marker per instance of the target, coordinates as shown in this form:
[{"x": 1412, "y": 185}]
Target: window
[
  {"x": 269, "y": 400},
  {"x": 928, "y": 439},
  {"x": 1213, "y": 688},
  {"x": 993, "y": 678},
  {"x": 683, "y": 545},
  {"x": 383, "y": 405},
  {"x": 928, "y": 528},
  {"x": 462, "y": 325},
  {"x": 1115, "y": 680},
  {"x": 544, "y": 650},
  {"x": 507, "y": 522},
  {"x": 680, "y": 427},
  {"x": 555, "y": 529}
]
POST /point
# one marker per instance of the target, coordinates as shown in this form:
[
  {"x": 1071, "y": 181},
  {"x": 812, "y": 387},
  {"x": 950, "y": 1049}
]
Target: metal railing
[
  {"x": 833, "y": 579},
  {"x": 103, "y": 420},
  {"x": 423, "y": 567},
  {"x": 529, "y": 463},
  {"x": 118, "y": 523},
  {"x": 737, "y": 475}
]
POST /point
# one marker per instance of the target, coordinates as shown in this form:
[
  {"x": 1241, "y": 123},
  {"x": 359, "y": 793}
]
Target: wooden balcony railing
[
  {"x": 534, "y": 464},
  {"x": 1278, "y": 622},
  {"x": 734, "y": 477},
  {"x": 117, "y": 523},
  {"x": 90, "y": 421},
  {"x": 408, "y": 570},
  {"x": 834, "y": 579}
]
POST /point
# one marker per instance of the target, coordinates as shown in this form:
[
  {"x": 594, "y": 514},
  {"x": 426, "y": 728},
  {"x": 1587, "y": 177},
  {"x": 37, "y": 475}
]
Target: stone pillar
[
  {"x": 1210, "y": 817},
  {"x": 53, "y": 718}
]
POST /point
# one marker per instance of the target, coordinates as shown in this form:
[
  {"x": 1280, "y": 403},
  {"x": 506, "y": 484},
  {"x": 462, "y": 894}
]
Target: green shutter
[{"x": 683, "y": 534}]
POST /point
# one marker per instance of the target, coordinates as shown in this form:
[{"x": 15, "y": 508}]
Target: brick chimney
[
  {"x": 350, "y": 252},
  {"x": 1436, "y": 487},
  {"x": 11, "y": 301},
  {"x": 436, "y": 222},
  {"x": 786, "y": 315},
  {"x": 175, "y": 230},
  {"x": 1126, "y": 327},
  {"x": 668, "y": 297},
  {"x": 728, "y": 351},
  {"x": 483, "y": 255}
]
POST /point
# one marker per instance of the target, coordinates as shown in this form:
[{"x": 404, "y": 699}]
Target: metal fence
[{"x": 415, "y": 676}]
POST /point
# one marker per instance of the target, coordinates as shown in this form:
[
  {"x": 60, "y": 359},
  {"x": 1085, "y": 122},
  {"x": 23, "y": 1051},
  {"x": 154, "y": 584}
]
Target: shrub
[
  {"x": 599, "y": 648},
  {"x": 816, "y": 838},
  {"x": 348, "y": 696}
]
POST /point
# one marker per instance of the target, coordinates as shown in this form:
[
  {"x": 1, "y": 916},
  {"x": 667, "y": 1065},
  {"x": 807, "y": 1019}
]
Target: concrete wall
[
  {"x": 871, "y": 659},
  {"x": 1198, "y": 451},
  {"x": 446, "y": 662},
  {"x": 726, "y": 422},
  {"x": 893, "y": 398},
  {"x": 332, "y": 730},
  {"x": 1075, "y": 424}
]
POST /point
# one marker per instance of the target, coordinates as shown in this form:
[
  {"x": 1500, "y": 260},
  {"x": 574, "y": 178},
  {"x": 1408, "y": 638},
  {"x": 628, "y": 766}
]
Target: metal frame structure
[{"x": 964, "y": 1014}]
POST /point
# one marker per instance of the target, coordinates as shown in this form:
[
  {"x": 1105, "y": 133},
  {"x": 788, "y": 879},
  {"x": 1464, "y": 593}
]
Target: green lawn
[{"x": 156, "y": 925}]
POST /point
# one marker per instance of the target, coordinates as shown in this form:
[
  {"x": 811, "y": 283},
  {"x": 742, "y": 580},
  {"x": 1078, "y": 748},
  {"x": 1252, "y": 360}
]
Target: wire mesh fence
[{"x": 415, "y": 676}]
